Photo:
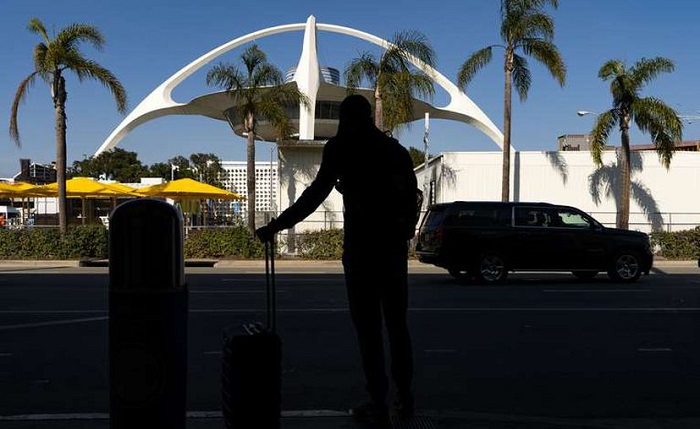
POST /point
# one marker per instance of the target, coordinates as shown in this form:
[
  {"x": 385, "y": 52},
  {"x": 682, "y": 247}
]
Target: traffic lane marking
[
  {"x": 52, "y": 323},
  {"x": 594, "y": 290},
  {"x": 345, "y": 309}
]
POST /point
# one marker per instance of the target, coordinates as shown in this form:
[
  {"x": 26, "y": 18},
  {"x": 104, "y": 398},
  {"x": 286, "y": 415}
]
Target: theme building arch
[{"x": 160, "y": 103}]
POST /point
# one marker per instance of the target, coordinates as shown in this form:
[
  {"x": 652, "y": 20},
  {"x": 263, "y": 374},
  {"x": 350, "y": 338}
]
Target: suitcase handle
[{"x": 270, "y": 285}]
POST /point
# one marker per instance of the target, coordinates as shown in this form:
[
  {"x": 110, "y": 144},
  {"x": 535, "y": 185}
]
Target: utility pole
[
  {"x": 426, "y": 145},
  {"x": 272, "y": 199}
]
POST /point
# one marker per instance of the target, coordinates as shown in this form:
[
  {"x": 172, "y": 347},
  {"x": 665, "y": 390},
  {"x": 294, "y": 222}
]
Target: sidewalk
[{"x": 659, "y": 263}]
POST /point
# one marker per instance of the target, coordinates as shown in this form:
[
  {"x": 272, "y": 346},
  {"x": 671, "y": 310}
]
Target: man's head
[{"x": 355, "y": 112}]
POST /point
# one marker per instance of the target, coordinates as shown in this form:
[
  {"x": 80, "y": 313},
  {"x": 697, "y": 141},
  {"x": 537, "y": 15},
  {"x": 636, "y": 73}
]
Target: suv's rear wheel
[
  {"x": 491, "y": 268},
  {"x": 626, "y": 267},
  {"x": 584, "y": 275}
]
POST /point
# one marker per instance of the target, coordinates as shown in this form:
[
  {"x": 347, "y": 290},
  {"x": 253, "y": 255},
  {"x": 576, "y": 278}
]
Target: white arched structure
[{"x": 160, "y": 103}]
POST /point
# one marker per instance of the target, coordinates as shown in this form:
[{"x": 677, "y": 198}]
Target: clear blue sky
[{"x": 148, "y": 41}]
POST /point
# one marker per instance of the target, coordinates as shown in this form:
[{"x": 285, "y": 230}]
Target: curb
[{"x": 227, "y": 263}]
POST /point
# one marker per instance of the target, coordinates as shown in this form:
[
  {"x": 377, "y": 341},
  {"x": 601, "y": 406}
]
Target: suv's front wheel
[
  {"x": 626, "y": 267},
  {"x": 491, "y": 268}
]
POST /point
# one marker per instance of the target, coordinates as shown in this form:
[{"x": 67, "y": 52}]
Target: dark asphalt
[{"x": 545, "y": 349}]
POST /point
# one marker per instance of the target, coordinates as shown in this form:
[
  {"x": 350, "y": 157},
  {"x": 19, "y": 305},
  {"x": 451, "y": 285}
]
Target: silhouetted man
[{"x": 374, "y": 173}]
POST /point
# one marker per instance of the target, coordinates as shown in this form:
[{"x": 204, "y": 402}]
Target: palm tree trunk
[
  {"x": 250, "y": 175},
  {"x": 623, "y": 217},
  {"x": 378, "y": 109},
  {"x": 505, "y": 175},
  {"x": 60, "y": 109}
]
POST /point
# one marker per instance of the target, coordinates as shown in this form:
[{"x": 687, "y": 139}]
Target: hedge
[{"x": 90, "y": 242}]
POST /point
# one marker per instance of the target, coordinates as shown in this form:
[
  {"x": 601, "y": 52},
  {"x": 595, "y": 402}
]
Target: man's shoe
[
  {"x": 404, "y": 407},
  {"x": 372, "y": 414}
]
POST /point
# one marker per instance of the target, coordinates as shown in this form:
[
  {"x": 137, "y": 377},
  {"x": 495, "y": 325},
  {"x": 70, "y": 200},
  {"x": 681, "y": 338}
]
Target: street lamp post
[
  {"x": 426, "y": 144},
  {"x": 272, "y": 200}
]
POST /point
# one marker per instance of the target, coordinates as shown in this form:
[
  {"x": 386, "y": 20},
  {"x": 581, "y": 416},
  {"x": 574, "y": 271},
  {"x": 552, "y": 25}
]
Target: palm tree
[
  {"x": 394, "y": 80},
  {"x": 525, "y": 27},
  {"x": 258, "y": 93},
  {"x": 52, "y": 58},
  {"x": 649, "y": 114}
]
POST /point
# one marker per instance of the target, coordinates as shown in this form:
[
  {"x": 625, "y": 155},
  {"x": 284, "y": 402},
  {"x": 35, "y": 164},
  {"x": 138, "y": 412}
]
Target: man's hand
[{"x": 267, "y": 233}]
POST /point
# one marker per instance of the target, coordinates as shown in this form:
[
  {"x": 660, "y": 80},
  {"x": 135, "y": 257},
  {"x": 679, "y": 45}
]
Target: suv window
[
  {"x": 481, "y": 217},
  {"x": 569, "y": 219},
  {"x": 435, "y": 218},
  {"x": 531, "y": 216},
  {"x": 551, "y": 218}
]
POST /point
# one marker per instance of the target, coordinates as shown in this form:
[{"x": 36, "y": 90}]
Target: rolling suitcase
[{"x": 252, "y": 366}]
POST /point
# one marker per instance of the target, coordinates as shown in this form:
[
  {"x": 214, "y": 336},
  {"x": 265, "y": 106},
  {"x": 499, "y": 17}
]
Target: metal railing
[{"x": 645, "y": 222}]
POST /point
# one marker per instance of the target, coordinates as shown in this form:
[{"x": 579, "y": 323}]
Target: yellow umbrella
[
  {"x": 188, "y": 189},
  {"x": 20, "y": 190},
  {"x": 85, "y": 187}
]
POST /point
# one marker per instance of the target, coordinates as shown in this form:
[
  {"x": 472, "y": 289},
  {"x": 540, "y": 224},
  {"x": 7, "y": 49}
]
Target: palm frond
[
  {"x": 537, "y": 25},
  {"x": 225, "y": 76},
  {"x": 363, "y": 67},
  {"x": 610, "y": 69},
  {"x": 547, "y": 54},
  {"x": 39, "y": 56},
  {"x": 646, "y": 70},
  {"x": 521, "y": 76},
  {"x": 35, "y": 26},
  {"x": 20, "y": 95},
  {"x": 252, "y": 58},
  {"x": 85, "y": 68},
  {"x": 604, "y": 124},
  {"x": 70, "y": 36},
  {"x": 266, "y": 75},
  {"x": 414, "y": 43},
  {"x": 472, "y": 65},
  {"x": 653, "y": 116}
]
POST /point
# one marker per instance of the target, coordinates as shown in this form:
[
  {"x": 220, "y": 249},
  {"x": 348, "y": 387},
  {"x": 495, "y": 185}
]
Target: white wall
[
  {"x": 661, "y": 198},
  {"x": 297, "y": 168}
]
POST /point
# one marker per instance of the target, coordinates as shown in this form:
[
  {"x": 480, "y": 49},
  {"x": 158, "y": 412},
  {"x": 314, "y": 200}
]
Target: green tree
[
  {"x": 208, "y": 168},
  {"x": 258, "y": 93},
  {"x": 526, "y": 28},
  {"x": 53, "y": 57},
  {"x": 395, "y": 81},
  {"x": 179, "y": 168},
  {"x": 417, "y": 156},
  {"x": 159, "y": 169},
  {"x": 649, "y": 114},
  {"x": 115, "y": 164}
]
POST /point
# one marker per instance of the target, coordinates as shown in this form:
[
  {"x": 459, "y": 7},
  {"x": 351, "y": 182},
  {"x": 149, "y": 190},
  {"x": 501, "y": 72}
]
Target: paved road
[{"x": 541, "y": 345}]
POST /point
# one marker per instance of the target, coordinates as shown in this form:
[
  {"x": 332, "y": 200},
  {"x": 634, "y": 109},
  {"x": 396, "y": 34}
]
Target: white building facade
[{"x": 661, "y": 199}]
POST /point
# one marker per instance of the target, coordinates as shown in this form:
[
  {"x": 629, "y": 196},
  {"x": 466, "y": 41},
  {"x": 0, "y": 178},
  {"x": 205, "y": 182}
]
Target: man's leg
[
  {"x": 395, "y": 306},
  {"x": 365, "y": 310}
]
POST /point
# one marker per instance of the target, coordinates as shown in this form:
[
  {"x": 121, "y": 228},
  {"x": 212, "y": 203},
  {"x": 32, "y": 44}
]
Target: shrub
[
  {"x": 322, "y": 244},
  {"x": 88, "y": 241},
  {"x": 677, "y": 244},
  {"x": 227, "y": 242}
]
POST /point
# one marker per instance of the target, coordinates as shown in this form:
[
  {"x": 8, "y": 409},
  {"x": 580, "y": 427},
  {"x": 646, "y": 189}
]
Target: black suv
[{"x": 487, "y": 240}]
